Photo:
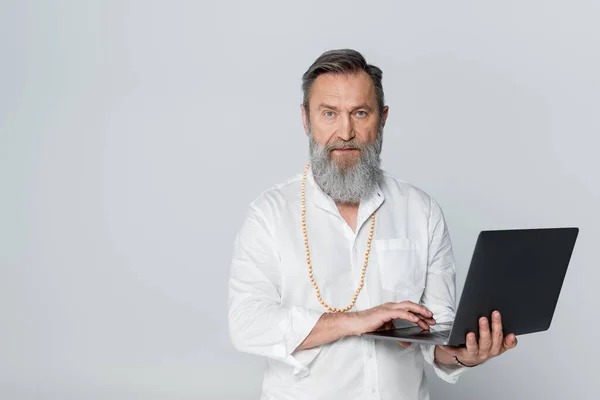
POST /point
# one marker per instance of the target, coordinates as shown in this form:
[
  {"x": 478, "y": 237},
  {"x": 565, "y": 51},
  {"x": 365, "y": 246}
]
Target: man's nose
[{"x": 346, "y": 130}]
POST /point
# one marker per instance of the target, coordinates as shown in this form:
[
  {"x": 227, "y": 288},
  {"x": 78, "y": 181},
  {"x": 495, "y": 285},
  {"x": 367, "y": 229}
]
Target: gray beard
[{"x": 347, "y": 183}]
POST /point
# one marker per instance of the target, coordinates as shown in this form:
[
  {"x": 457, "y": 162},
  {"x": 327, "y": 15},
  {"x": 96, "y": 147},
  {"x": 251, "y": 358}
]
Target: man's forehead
[{"x": 354, "y": 88}]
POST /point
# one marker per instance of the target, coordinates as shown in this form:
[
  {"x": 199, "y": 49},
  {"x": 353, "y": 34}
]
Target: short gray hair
[{"x": 342, "y": 61}]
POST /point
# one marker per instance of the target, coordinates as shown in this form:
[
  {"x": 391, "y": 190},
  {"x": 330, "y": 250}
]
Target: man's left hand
[{"x": 491, "y": 343}]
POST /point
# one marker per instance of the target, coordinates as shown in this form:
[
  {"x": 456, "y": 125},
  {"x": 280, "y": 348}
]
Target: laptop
[{"x": 518, "y": 272}]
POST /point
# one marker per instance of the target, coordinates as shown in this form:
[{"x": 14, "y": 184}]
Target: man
[{"x": 343, "y": 249}]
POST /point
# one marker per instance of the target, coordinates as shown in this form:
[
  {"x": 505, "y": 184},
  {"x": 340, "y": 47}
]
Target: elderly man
[{"x": 343, "y": 249}]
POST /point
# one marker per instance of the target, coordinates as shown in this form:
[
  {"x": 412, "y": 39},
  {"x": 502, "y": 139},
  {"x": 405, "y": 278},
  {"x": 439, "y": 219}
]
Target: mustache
[{"x": 343, "y": 146}]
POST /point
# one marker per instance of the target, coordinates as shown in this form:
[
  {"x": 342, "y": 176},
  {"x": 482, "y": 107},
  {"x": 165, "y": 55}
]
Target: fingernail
[
  {"x": 496, "y": 314},
  {"x": 483, "y": 321}
]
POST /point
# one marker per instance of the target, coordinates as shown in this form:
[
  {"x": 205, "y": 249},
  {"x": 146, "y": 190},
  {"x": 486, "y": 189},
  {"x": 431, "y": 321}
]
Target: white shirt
[{"x": 273, "y": 306}]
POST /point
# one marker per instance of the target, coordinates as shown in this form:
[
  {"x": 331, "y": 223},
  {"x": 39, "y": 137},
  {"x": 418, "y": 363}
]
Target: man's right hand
[
  {"x": 377, "y": 317},
  {"x": 333, "y": 326}
]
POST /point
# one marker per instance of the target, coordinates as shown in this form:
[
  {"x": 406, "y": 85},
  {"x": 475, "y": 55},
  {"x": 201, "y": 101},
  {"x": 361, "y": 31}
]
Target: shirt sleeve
[
  {"x": 258, "y": 324},
  {"x": 440, "y": 288}
]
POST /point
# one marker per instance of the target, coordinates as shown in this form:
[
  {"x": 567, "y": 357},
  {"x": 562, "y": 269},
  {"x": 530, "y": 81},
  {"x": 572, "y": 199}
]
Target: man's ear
[
  {"x": 386, "y": 109},
  {"x": 304, "y": 118}
]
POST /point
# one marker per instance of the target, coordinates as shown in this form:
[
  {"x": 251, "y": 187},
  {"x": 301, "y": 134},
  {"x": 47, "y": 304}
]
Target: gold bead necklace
[{"x": 310, "y": 269}]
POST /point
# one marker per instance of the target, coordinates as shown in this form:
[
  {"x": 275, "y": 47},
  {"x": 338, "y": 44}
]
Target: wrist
[
  {"x": 441, "y": 357},
  {"x": 339, "y": 325},
  {"x": 462, "y": 364},
  {"x": 346, "y": 324}
]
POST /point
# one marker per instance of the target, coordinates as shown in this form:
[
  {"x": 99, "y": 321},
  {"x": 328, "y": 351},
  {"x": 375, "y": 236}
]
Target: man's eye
[
  {"x": 329, "y": 114},
  {"x": 361, "y": 114}
]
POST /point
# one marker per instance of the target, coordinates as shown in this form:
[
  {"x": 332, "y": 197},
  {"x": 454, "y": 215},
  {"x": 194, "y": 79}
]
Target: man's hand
[
  {"x": 333, "y": 326},
  {"x": 491, "y": 344},
  {"x": 381, "y": 317}
]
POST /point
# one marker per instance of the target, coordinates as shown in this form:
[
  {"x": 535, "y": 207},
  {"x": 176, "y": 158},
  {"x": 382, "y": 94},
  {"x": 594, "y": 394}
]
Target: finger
[
  {"x": 510, "y": 342},
  {"x": 414, "y": 308},
  {"x": 423, "y": 325},
  {"x": 497, "y": 335},
  {"x": 404, "y": 344},
  {"x": 430, "y": 321},
  {"x": 472, "y": 346},
  {"x": 485, "y": 337},
  {"x": 426, "y": 321},
  {"x": 399, "y": 313}
]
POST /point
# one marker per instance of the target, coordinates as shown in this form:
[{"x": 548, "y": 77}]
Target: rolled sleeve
[
  {"x": 295, "y": 328},
  {"x": 448, "y": 373},
  {"x": 258, "y": 323}
]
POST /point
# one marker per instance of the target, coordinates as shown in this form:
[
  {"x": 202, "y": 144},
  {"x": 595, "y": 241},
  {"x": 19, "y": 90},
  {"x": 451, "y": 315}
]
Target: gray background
[{"x": 133, "y": 134}]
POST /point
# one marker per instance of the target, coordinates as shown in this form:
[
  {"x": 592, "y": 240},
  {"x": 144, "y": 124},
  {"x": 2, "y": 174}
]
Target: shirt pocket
[{"x": 400, "y": 268}]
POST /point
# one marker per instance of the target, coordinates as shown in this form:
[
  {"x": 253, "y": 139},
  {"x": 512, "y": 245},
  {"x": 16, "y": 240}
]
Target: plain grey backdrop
[{"x": 133, "y": 135}]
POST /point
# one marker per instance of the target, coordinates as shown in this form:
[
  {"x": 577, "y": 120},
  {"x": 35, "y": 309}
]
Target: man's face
[{"x": 343, "y": 114}]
